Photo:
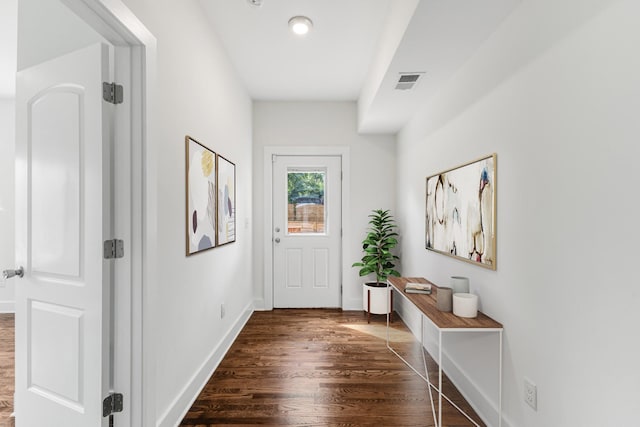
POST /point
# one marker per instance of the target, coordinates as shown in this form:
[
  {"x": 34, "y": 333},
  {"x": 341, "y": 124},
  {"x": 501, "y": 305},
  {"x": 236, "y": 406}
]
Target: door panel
[
  {"x": 294, "y": 268},
  {"x": 62, "y": 218},
  {"x": 307, "y": 198},
  {"x": 321, "y": 268},
  {"x": 55, "y": 353},
  {"x": 56, "y": 139}
]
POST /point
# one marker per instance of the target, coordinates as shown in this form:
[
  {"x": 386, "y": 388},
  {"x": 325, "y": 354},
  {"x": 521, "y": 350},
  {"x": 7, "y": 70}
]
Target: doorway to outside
[
  {"x": 306, "y": 231},
  {"x": 304, "y": 202}
]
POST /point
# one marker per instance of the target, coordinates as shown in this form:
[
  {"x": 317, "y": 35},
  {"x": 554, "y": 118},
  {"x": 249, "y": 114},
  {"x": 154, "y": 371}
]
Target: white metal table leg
[
  {"x": 440, "y": 378},
  {"x": 426, "y": 370},
  {"x": 500, "y": 385}
]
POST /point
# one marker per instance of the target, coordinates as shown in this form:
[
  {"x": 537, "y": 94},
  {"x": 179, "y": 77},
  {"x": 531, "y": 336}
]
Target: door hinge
[
  {"x": 112, "y": 93},
  {"x": 112, "y": 404},
  {"x": 113, "y": 248}
]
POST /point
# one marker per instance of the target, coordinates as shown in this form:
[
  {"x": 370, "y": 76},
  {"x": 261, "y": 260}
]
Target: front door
[
  {"x": 63, "y": 204},
  {"x": 307, "y": 195}
]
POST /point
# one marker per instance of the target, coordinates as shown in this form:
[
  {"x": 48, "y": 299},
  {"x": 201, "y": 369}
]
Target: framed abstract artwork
[
  {"x": 226, "y": 179},
  {"x": 200, "y": 196},
  {"x": 461, "y": 212}
]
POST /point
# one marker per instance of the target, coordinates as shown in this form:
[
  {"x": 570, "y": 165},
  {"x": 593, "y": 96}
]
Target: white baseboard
[
  {"x": 258, "y": 304},
  {"x": 181, "y": 404},
  {"x": 485, "y": 407},
  {"x": 352, "y": 304},
  {"x": 7, "y": 307}
]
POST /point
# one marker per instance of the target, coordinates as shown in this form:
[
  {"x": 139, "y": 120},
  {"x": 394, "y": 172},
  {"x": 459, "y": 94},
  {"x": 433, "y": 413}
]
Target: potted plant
[{"x": 378, "y": 259}]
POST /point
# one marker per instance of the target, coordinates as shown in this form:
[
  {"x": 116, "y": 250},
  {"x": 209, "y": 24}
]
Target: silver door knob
[
  {"x": 277, "y": 229},
  {"x": 8, "y": 274},
  {"x": 277, "y": 240}
]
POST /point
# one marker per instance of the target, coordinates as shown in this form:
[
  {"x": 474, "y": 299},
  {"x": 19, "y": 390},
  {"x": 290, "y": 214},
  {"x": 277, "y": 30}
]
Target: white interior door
[
  {"x": 63, "y": 210},
  {"x": 307, "y": 195}
]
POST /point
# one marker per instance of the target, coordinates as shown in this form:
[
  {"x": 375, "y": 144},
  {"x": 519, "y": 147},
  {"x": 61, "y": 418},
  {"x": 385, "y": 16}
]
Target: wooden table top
[{"x": 443, "y": 320}]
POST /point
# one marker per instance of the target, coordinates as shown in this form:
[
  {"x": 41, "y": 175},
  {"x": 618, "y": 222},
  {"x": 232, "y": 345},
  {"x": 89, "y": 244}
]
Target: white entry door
[
  {"x": 63, "y": 203},
  {"x": 307, "y": 212}
]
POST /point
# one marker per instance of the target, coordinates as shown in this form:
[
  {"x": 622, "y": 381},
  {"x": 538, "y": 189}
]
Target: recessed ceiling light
[{"x": 300, "y": 25}]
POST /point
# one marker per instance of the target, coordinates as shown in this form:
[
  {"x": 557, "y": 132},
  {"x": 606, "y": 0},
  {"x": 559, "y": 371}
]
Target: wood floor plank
[
  {"x": 315, "y": 367},
  {"x": 7, "y": 368}
]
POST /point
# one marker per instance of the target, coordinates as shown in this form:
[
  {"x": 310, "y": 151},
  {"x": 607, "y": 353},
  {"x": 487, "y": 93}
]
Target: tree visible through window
[{"x": 305, "y": 198}]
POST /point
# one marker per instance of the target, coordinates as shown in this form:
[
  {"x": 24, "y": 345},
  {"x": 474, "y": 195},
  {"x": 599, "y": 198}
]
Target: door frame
[
  {"x": 133, "y": 311},
  {"x": 269, "y": 152}
]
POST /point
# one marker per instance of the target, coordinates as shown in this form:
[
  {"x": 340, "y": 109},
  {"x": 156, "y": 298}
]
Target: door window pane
[{"x": 305, "y": 197}]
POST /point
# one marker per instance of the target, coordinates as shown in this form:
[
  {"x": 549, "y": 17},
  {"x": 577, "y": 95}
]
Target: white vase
[
  {"x": 380, "y": 303},
  {"x": 465, "y": 305},
  {"x": 459, "y": 284}
]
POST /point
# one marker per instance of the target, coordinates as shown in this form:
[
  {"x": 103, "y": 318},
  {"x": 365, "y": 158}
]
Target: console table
[{"x": 444, "y": 322}]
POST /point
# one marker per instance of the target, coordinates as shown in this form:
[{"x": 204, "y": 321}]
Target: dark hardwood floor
[
  {"x": 320, "y": 368},
  {"x": 7, "y": 326}
]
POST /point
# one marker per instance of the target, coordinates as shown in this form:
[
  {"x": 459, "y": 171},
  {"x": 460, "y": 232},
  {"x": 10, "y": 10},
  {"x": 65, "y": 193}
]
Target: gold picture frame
[{"x": 460, "y": 212}]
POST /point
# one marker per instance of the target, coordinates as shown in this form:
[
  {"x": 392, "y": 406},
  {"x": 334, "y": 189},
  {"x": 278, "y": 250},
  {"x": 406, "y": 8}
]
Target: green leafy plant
[{"x": 377, "y": 246}]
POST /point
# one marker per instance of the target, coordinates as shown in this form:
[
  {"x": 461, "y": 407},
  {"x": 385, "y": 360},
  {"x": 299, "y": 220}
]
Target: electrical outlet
[
  {"x": 222, "y": 311},
  {"x": 531, "y": 394}
]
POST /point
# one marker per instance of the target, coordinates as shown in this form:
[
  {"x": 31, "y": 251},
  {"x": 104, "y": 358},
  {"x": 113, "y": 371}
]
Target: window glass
[{"x": 305, "y": 197}]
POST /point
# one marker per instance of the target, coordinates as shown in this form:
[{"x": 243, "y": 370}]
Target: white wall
[
  {"x": 7, "y": 180},
  {"x": 555, "y": 93},
  {"x": 197, "y": 93},
  {"x": 200, "y": 96},
  {"x": 372, "y": 172}
]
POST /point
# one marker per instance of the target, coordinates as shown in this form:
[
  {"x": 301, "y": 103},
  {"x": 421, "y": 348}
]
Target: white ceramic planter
[
  {"x": 465, "y": 305},
  {"x": 379, "y": 300}
]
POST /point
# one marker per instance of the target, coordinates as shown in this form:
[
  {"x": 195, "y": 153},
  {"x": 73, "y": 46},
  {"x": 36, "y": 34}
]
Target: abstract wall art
[
  {"x": 226, "y": 201},
  {"x": 201, "y": 196},
  {"x": 461, "y": 212}
]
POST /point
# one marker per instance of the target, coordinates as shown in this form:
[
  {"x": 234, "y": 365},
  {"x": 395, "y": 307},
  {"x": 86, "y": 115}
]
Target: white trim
[
  {"x": 122, "y": 227},
  {"x": 7, "y": 307},
  {"x": 188, "y": 395},
  {"x": 116, "y": 23},
  {"x": 269, "y": 152}
]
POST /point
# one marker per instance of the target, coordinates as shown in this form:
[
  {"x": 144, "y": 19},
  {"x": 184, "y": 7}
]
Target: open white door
[{"x": 63, "y": 216}]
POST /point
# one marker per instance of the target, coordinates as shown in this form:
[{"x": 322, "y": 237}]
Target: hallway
[{"x": 317, "y": 367}]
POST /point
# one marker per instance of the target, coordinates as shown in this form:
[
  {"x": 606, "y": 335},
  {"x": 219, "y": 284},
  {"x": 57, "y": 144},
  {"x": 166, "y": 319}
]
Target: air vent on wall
[{"x": 407, "y": 81}]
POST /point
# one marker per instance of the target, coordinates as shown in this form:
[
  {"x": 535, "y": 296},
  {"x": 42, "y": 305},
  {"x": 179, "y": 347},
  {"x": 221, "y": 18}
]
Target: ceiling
[
  {"x": 356, "y": 50},
  {"x": 329, "y": 63}
]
